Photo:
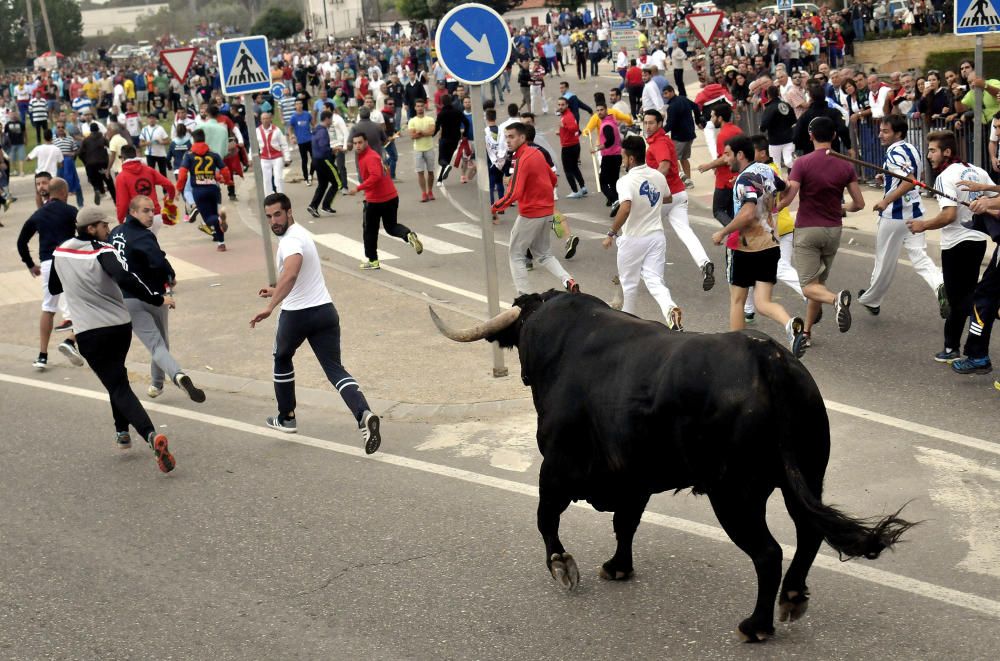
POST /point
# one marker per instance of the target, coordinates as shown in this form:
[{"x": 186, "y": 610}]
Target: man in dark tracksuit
[
  {"x": 206, "y": 169},
  {"x": 325, "y": 167},
  {"x": 450, "y": 124},
  {"x": 90, "y": 272},
  {"x": 141, "y": 250}
]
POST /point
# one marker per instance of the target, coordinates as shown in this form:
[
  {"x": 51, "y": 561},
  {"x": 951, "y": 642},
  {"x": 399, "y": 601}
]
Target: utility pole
[
  {"x": 48, "y": 28},
  {"x": 31, "y": 29}
]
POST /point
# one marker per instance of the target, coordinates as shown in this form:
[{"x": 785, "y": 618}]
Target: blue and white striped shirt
[
  {"x": 903, "y": 158},
  {"x": 81, "y": 104}
]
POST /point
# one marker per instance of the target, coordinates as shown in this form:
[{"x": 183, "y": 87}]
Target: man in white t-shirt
[
  {"x": 307, "y": 313},
  {"x": 962, "y": 249},
  {"x": 642, "y": 247},
  {"x": 153, "y": 140},
  {"x": 48, "y": 156}
]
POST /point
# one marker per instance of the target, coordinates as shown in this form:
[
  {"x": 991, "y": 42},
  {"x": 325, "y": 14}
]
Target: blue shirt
[
  {"x": 202, "y": 168},
  {"x": 301, "y": 123}
]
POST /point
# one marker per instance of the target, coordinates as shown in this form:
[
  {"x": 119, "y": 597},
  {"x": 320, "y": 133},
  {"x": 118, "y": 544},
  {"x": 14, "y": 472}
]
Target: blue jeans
[
  {"x": 391, "y": 156},
  {"x": 207, "y": 199},
  {"x": 859, "y": 29}
]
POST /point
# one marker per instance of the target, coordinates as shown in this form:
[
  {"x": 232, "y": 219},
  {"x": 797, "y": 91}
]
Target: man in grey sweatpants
[{"x": 138, "y": 246}]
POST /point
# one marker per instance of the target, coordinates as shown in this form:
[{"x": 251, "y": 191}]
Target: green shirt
[
  {"x": 161, "y": 84},
  {"x": 216, "y": 136},
  {"x": 990, "y": 105},
  {"x": 422, "y": 124}
]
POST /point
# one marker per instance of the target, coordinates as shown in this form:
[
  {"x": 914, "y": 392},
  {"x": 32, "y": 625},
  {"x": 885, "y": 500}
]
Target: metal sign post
[
  {"x": 977, "y": 131},
  {"x": 474, "y": 45},
  {"x": 244, "y": 68}
]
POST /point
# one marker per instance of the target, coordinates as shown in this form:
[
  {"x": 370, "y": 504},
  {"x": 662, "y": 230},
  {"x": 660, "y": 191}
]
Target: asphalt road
[{"x": 262, "y": 545}]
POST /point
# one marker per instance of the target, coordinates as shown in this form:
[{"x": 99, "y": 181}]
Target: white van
[{"x": 804, "y": 7}]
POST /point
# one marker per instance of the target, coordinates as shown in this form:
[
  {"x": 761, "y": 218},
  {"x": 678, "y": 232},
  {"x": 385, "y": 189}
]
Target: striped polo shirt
[{"x": 904, "y": 159}]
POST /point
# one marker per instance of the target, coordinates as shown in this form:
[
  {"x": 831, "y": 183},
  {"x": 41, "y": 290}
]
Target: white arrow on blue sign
[
  {"x": 976, "y": 16},
  {"x": 244, "y": 65},
  {"x": 278, "y": 90},
  {"x": 473, "y": 43}
]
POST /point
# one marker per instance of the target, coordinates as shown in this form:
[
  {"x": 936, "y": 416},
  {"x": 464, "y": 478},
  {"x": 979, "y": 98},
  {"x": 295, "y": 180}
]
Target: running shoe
[
  {"x": 185, "y": 383},
  {"x": 430, "y": 196},
  {"x": 947, "y": 355},
  {"x": 808, "y": 339},
  {"x": 423, "y": 197},
  {"x": 874, "y": 309},
  {"x": 153, "y": 392},
  {"x": 414, "y": 241},
  {"x": 584, "y": 192},
  {"x": 41, "y": 363},
  {"x": 66, "y": 325},
  {"x": 571, "y": 244},
  {"x": 286, "y": 425},
  {"x": 996, "y": 384},
  {"x": 232, "y": 197},
  {"x": 796, "y": 340},
  {"x": 97, "y": 198},
  {"x": 749, "y": 317},
  {"x": 674, "y": 319},
  {"x": 707, "y": 276},
  {"x": 164, "y": 460},
  {"x": 973, "y": 365},
  {"x": 223, "y": 225},
  {"x": 68, "y": 349},
  {"x": 123, "y": 440},
  {"x": 370, "y": 265},
  {"x": 312, "y": 212},
  {"x": 370, "y": 432},
  {"x": 614, "y": 208},
  {"x": 572, "y": 287},
  {"x": 327, "y": 210},
  {"x": 309, "y": 182},
  {"x": 575, "y": 195},
  {"x": 843, "y": 308},
  {"x": 617, "y": 301},
  {"x": 943, "y": 306},
  {"x": 221, "y": 248},
  {"x": 206, "y": 229}
]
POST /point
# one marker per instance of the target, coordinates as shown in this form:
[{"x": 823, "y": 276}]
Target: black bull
[{"x": 627, "y": 408}]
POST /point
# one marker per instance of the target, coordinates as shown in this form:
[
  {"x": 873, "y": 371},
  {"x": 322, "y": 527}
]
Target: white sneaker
[
  {"x": 370, "y": 432},
  {"x": 154, "y": 392},
  {"x": 796, "y": 339},
  {"x": 72, "y": 354},
  {"x": 575, "y": 196}
]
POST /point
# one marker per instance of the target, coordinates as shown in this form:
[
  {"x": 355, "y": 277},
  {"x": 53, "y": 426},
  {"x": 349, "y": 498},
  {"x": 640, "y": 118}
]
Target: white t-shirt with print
[
  {"x": 644, "y": 188},
  {"x": 947, "y": 182},
  {"x": 309, "y": 289}
]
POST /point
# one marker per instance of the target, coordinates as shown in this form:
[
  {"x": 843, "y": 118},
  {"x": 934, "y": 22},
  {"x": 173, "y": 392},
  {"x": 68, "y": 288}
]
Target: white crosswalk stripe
[
  {"x": 349, "y": 247},
  {"x": 433, "y": 245},
  {"x": 469, "y": 229}
]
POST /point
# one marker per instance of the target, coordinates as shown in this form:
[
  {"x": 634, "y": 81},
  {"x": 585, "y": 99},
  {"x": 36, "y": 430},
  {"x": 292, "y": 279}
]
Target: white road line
[
  {"x": 433, "y": 245},
  {"x": 853, "y": 570},
  {"x": 348, "y": 246},
  {"x": 470, "y": 229}
]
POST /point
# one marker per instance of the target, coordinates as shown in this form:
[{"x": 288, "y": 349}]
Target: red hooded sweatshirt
[
  {"x": 374, "y": 175},
  {"x": 531, "y": 184},
  {"x": 137, "y": 178}
]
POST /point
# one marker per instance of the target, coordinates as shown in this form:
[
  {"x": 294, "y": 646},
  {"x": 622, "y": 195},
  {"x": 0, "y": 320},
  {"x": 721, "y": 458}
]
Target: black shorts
[{"x": 745, "y": 269}]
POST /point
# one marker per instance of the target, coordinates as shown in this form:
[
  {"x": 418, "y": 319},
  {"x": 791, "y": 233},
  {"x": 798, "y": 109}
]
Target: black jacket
[
  {"x": 778, "y": 123},
  {"x": 680, "y": 119},
  {"x": 803, "y": 142},
  {"x": 54, "y": 223},
  {"x": 142, "y": 253}
]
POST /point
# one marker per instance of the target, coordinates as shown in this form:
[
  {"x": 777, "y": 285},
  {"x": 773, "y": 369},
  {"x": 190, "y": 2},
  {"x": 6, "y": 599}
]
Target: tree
[
  {"x": 64, "y": 17},
  {"x": 278, "y": 23},
  {"x": 421, "y": 9}
]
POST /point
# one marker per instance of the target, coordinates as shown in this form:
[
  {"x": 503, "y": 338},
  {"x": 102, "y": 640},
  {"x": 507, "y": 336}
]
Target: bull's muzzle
[{"x": 479, "y": 331}]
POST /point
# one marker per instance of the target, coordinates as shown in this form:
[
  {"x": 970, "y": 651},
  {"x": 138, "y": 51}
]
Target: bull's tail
[{"x": 850, "y": 537}]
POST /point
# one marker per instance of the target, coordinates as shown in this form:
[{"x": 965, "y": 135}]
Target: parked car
[{"x": 804, "y": 7}]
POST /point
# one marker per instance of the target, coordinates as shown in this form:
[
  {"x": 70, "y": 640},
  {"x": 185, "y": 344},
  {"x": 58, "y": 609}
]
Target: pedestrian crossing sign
[
  {"x": 244, "y": 65},
  {"x": 976, "y": 17}
]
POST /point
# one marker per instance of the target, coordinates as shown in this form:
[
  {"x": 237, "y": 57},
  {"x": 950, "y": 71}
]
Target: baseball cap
[{"x": 88, "y": 216}]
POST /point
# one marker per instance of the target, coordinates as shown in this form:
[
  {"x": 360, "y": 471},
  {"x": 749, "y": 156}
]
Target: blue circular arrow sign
[
  {"x": 473, "y": 43},
  {"x": 278, "y": 90}
]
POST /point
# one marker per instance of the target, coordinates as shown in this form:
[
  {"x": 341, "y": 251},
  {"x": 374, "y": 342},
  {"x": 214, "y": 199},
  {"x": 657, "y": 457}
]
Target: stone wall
[{"x": 909, "y": 52}]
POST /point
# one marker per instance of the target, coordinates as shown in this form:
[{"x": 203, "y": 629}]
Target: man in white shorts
[
  {"x": 642, "y": 247},
  {"x": 421, "y": 129}
]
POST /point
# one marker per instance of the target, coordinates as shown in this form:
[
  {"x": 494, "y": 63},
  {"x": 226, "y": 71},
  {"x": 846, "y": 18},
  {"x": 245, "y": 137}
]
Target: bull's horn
[{"x": 480, "y": 331}]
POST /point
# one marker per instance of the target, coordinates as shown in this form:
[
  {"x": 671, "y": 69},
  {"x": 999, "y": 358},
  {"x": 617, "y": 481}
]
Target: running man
[
  {"x": 307, "y": 313},
  {"x": 54, "y": 222},
  {"x": 90, "y": 272},
  {"x": 135, "y": 241},
  {"x": 531, "y": 185},
  {"x": 381, "y": 203},
  {"x": 642, "y": 248},
  {"x": 900, "y": 203},
  {"x": 207, "y": 170},
  {"x": 753, "y": 257}
]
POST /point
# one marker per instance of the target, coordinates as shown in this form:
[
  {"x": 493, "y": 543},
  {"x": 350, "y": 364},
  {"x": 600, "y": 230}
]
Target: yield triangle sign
[
  {"x": 705, "y": 26},
  {"x": 980, "y": 14},
  {"x": 178, "y": 60}
]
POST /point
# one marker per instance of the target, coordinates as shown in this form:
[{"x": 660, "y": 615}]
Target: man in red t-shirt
[
  {"x": 633, "y": 83},
  {"x": 381, "y": 203},
  {"x": 722, "y": 199},
  {"x": 569, "y": 141},
  {"x": 661, "y": 154},
  {"x": 822, "y": 180}
]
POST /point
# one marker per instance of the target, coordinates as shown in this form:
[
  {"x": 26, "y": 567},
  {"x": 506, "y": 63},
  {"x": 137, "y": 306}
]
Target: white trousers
[
  {"x": 786, "y": 272},
  {"x": 537, "y": 94},
  {"x": 782, "y": 154},
  {"x": 643, "y": 258},
  {"x": 532, "y": 234},
  {"x": 890, "y": 238},
  {"x": 677, "y": 214},
  {"x": 273, "y": 171}
]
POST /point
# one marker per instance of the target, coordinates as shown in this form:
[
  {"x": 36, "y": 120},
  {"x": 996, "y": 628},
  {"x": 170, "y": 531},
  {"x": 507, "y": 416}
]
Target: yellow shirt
[
  {"x": 91, "y": 90},
  {"x": 423, "y": 124},
  {"x": 785, "y": 221},
  {"x": 129, "y": 89},
  {"x": 595, "y": 121}
]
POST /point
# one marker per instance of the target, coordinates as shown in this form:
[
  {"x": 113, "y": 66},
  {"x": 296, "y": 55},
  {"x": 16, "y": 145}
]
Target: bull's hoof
[
  {"x": 792, "y": 605},
  {"x": 750, "y": 632},
  {"x": 609, "y": 572},
  {"x": 564, "y": 570}
]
